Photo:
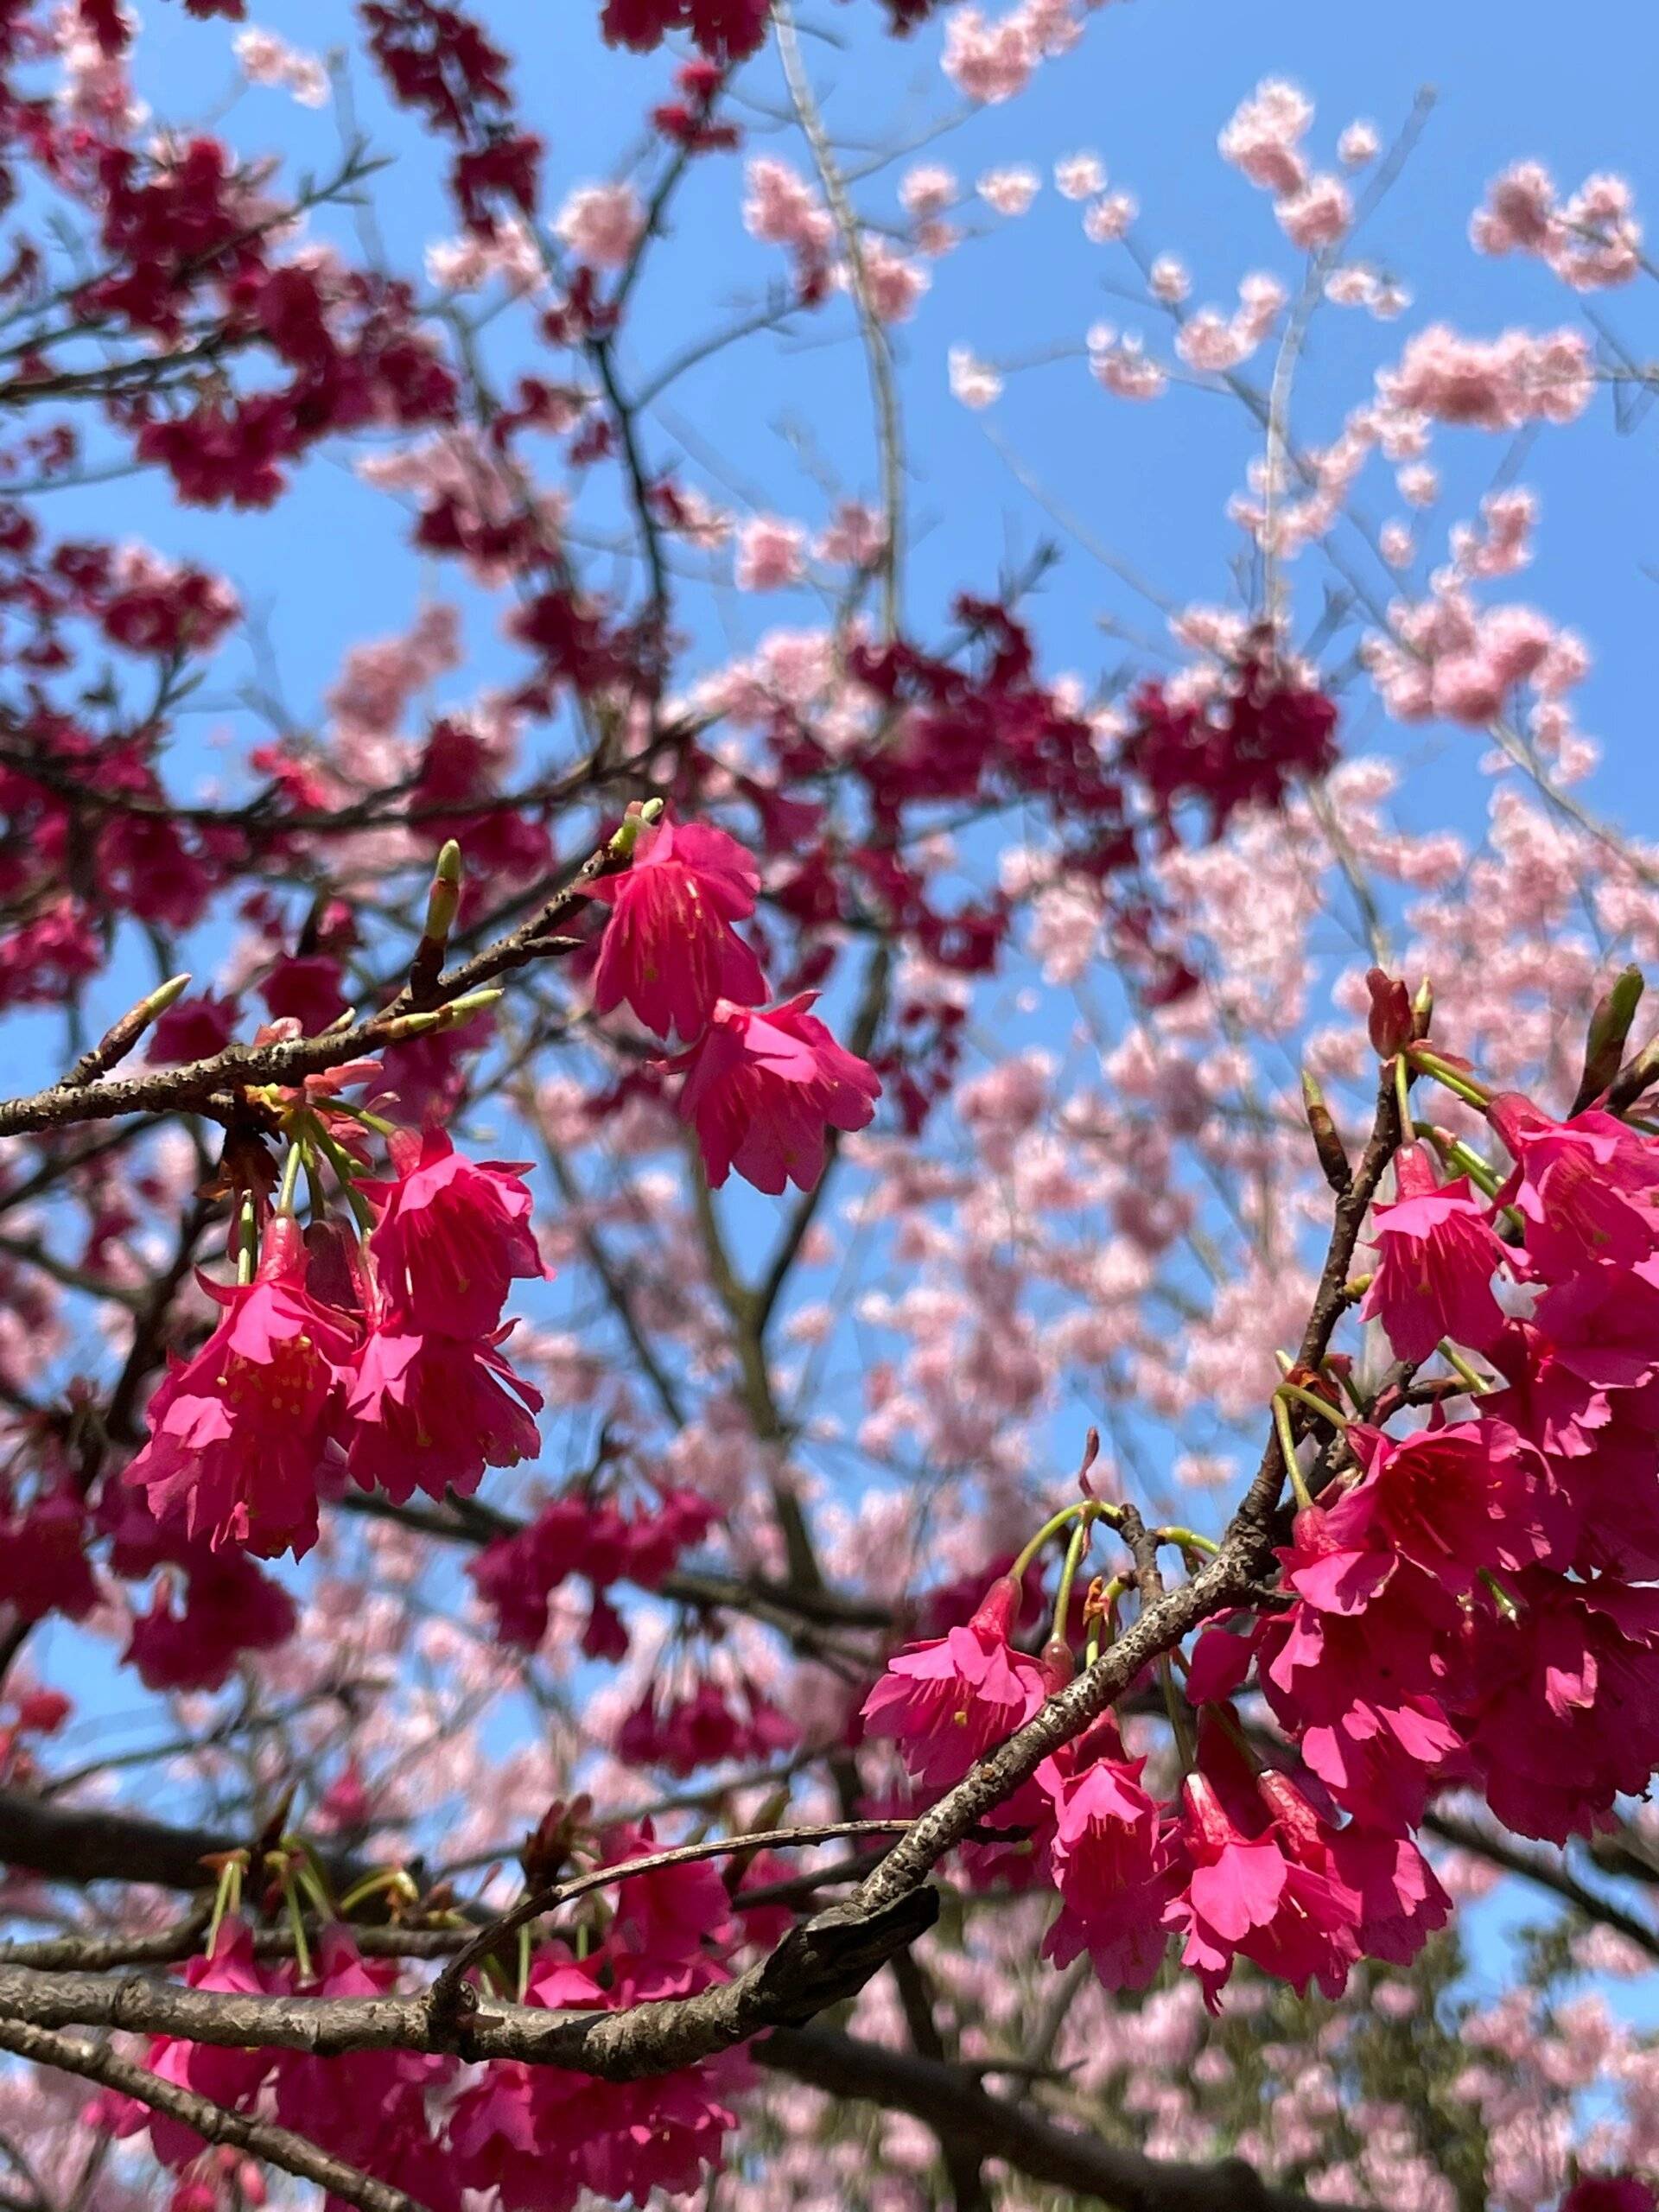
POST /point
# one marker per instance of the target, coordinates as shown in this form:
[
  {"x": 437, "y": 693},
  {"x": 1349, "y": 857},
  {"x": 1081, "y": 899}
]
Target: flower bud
[
  {"x": 1609, "y": 1033},
  {"x": 1327, "y": 1144},
  {"x": 999, "y": 1609},
  {"x": 1391, "y": 1022}
]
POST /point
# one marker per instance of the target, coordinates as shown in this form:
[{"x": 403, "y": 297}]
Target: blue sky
[{"x": 1149, "y": 88}]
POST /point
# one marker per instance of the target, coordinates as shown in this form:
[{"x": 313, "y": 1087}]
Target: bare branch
[{"x": 956, "y": 2109}]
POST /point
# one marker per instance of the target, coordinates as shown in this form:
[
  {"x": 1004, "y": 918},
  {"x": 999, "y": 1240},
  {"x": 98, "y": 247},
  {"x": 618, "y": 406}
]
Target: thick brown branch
[
  {"x": 79, "y": 1844},
  {"x": 446, "y": 1994},
  {"x": 823, "y": 1961}
]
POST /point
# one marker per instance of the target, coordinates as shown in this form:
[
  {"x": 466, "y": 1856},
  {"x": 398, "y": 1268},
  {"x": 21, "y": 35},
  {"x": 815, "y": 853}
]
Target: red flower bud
[{"x": 1391, "y": 1024}]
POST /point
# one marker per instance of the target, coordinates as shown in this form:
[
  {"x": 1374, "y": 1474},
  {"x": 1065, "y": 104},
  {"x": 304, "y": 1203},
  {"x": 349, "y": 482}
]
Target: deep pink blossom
[
  {"x": 947, "y": 1701},
  {"x": 515, "y": 1575},
  {"x": 430, "y": 1413},
  {"x": 1454, "y": 1500},
  {"x": 1243, "y": 1896},
  {"x": 1402, "y": 1901},
  {"x": 240, "y": 1432},
  {"x": 669, "y": 949},
  {"x": 229, "y": 1607},
  {"x": 704, "y": 1727},
  {"x": 194, "y": 1029},
  {"x": 1355, "y": 1667},
  {"x": 762, "y": 1089},
  {"x": 1112, "y": 1864},
  {"x": 544, "y": 2137},
  {"x": 1437, "y": 1252},
  {"x": 43, "y": 1564},
  {"x": 305, "y": 989},
  {"x": 1609, "y": 2193},
  {"x": 1561, "y": 1702},
  {"x": 1584, "y": 1188},
  {"x": 452, "y": 1234}
]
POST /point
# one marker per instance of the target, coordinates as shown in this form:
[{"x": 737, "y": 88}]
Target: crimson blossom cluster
[
  {"x": 761, "y": 1088},
  {"x": 539, "y": 2135},
  {"x": 725, "y": 30},
  {"x": 376, "y": 1357},
  {"x": 1466, "y": 1600}
]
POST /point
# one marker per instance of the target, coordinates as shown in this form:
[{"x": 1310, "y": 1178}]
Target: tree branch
[
  {"x": 260, "y": 2138},
  {"x": 948, "y": 2101}
]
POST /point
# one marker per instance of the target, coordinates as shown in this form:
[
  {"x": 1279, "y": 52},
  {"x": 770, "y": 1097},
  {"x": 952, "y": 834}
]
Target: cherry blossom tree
[{"x": 803, "y": 1411}]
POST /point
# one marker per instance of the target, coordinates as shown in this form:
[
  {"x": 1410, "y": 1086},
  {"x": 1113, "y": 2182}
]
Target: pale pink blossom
[
  {"x": 1591, "y": 241},
  {"x": 1167, "y": 280},
  {"x": 469, "y": 262},
  {"x": 1261, "y": 301},
  {"x": 780, "y": 208},
  {"x": 1122, "y": 368},
  {"x": 1209, "y": 342},
  {"x": 96, "y": 88},
  {"x": 1496, "y": 384},
  {"x": 1504, "y": 544},
  {"x": 1079, "y": 177},
  {"x": 936, "y": 238},
  {"x": 1009, "y": 191},
  {"x": 893, "y": 280},
  {"x": 1359, "y": 144},
  {"x": 1351, "y": 286},
  {"x": 854, "y": 538},
  {"x": 601, "y": 223},
  {"x": 1519, "y": 212},
  {"x": 771, "y": 554},
  {"x": 974, "y": 383},
  {"x": 1317, "y": 215},
  {"x": 1263, "y": 134},
  {"x": 1600, "y": 243},
  {"x": 989, "y": 62},
  {"x": 928, "y": 189},
  {"x": 1105, "y": 221},
  {"x": 268, "y": 59}
]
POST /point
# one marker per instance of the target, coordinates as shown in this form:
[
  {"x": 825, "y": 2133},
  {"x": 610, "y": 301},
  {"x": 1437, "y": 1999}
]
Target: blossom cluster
[
  {"x": 377, "y": 1365},
  {"x": 537, "y": 2135},
  {"x": 761, "y": 1088},
  {"x": 1469, "y": 1603}
]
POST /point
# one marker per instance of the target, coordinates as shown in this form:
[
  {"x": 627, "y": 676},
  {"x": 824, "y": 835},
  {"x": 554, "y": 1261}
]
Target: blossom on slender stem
[
  {"x": 430, "y": 1413},
  {"x": 945, "y": 1701},
  {"x": 669, "y": 949},
  {"x": 1245, "y": 1896},
  {"x": 1111, "y": 1862},
  {"x": 762, "y": 1089},
  {"x": 1437, "y": 1252},
  {"x": 451, "y": 1235},
  {"x": 240, "y": 1432},
  {"x": 1584, "y": 1188}
]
